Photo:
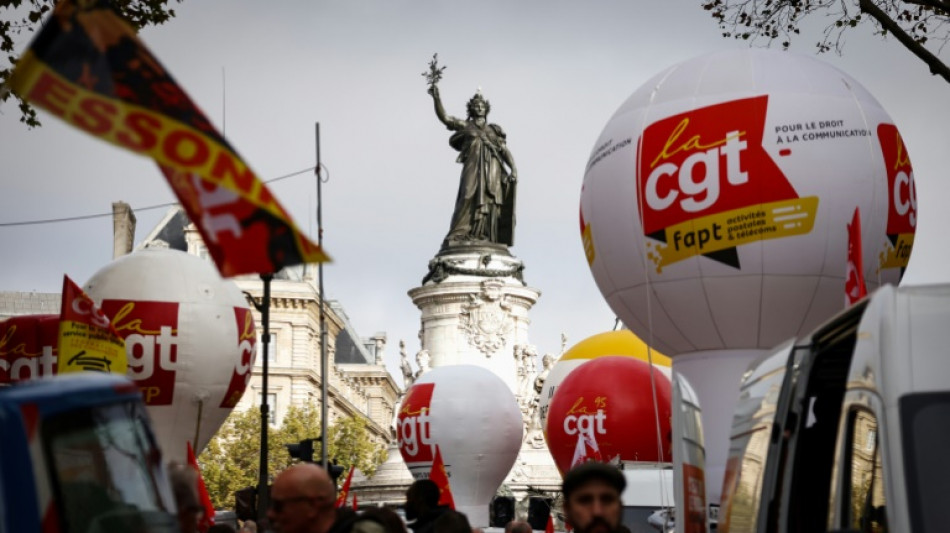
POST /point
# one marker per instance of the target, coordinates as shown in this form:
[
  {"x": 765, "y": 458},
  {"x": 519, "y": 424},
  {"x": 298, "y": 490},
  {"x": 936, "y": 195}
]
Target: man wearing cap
[{"x": 592, "y": 497}]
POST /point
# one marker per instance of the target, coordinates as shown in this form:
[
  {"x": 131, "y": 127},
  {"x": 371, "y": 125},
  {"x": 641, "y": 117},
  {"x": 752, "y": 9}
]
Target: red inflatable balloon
[{"x": 604, "y": 410}]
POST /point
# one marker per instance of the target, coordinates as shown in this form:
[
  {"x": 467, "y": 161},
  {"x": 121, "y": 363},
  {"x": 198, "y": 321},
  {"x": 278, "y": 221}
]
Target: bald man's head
[{"x": 302, "y": 500}]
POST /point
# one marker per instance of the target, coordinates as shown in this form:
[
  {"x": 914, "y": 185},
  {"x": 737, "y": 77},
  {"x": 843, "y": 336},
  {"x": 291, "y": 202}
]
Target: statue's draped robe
[{"x": 484, "y": 207}]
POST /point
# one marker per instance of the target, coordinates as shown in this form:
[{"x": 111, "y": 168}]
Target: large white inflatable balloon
[
  {"x": 474, "y": 419},
  {"x": 715, "y": 206},
  {"x": 189, "y": 338}
]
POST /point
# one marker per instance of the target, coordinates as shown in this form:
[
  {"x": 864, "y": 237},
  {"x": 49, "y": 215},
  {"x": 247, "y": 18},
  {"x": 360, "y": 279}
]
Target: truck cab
[
  {"x": 77, "y": 455},
  {"x": 845, "y": 429}
]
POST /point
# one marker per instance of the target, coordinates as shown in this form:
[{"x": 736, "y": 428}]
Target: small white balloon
[{"x": 474, "y": 419}]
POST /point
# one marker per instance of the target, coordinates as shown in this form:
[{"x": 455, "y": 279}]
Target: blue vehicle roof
[{"x": 65, "y": 392}]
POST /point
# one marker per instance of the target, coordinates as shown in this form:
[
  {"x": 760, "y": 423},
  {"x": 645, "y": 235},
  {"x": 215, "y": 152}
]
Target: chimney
[{"x": 123, "y": 229}]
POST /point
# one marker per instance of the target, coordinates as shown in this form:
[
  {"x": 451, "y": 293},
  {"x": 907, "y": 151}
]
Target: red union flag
[
  {"x": 87, "y": 338},
  {"x": 345, "y": 490},
  {"x": 440, "y": 476},
  {"x": 88, "y": 67},
  {"x": 854, "y": 288}
]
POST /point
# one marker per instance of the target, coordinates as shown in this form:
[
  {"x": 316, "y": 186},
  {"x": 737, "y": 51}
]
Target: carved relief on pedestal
[{"x": 486, "y": 319}]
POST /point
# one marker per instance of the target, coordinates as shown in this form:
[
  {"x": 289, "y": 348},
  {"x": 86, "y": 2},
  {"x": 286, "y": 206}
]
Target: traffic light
[
  {"x": 245, "y": 503},
  {"x": 335, "y": 471},
  {"x": 302, "y": 451}
]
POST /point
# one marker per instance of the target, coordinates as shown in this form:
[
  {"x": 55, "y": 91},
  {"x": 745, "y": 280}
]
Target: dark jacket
[{"x": 426, "y": 522}]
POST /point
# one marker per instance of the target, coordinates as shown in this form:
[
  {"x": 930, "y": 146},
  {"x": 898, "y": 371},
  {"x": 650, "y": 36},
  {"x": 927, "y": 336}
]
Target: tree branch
[
  {"x": 942, "y": 5},
  {"x": 937, "y": 67}
]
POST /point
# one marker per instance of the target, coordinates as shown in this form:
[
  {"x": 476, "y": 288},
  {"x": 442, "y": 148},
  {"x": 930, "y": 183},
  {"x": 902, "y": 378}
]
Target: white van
[
  {"x": 649, "y": 489},
  {"x": 846, "y": 429}
]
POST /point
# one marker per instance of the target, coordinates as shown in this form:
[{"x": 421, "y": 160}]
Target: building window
[
  {"x": 271, "y": 406},
  {"x": 271, "y": 349}
]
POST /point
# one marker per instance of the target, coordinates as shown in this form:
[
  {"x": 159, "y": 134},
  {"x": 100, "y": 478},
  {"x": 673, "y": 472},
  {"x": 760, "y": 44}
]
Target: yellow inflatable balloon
[{"x": 621, "y": 342}]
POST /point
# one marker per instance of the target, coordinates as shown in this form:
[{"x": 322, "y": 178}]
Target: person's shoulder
[{"x": 497, "y": 130}]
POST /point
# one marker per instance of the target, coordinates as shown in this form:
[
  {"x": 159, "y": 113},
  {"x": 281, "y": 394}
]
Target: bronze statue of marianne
[{"x": 485, "y": 206}]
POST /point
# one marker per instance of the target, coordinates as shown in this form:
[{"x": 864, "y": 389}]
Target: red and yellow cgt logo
[
  {"x": 707, "y": 184},
  {"x": 902, "y": 198}
]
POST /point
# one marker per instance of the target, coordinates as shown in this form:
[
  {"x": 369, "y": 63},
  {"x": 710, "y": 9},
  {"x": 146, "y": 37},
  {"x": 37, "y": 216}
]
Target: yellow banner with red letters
[
  {"x": 87, "y": 338},
  {"x": 88, "y": 67}
]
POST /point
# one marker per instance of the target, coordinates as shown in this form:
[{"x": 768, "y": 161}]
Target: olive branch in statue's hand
[{"x": 434, "y": 73}]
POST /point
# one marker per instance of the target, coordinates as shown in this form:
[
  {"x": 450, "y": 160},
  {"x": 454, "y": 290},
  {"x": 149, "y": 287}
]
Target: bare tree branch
[
  {"x": 936, "y": 4},
  {"x": 937, "y": 67}
]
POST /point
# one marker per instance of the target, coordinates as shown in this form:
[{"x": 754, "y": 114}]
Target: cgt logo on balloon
[
  {"x": 902, "y": 196},
  {"x": 28, "y": 347},
  {"x": 150, "y": 330},
  {"x": 708, "y": 185},
  {"x": 241, "y": 375},
  {"x": 415, "y": 431}
]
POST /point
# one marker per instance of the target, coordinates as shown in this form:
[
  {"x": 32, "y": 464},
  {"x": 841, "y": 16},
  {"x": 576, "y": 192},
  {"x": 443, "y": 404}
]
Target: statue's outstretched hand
[{"x": 434, "y": 90}]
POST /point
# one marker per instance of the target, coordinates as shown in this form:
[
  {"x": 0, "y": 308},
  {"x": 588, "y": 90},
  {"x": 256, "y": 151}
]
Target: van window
[
  {"x": 925, "y": 431},
  {"x": 106, "y": 470},
  {"x": 863, "y": 493}
]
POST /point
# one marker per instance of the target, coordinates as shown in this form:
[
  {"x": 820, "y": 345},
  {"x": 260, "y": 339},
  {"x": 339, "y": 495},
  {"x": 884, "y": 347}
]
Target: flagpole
[
  {"x": 324, "y": 411},
  {"x": 262, "y": 492}
]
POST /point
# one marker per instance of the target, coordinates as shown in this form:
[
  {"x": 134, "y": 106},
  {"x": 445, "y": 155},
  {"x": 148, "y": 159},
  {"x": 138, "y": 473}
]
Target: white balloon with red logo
[
  {"x": 474, "y": 419},
  {"x": 715, "y": 210},
  {"x": 189, "y": 340}
]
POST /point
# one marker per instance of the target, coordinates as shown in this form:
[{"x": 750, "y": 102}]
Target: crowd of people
[{"x": 303, "y": 500}]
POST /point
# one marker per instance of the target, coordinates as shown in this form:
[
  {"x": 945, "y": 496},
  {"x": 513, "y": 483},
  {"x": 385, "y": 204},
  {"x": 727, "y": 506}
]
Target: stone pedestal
[
  {"x": 475, "y": 308},
  {"x": 475, "y": 311},
  {"x": 388, "y": 485}
]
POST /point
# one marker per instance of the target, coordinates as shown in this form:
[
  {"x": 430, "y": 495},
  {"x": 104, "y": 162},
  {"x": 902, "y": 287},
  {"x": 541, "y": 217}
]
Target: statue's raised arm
[{"x": 450, "y": 122}]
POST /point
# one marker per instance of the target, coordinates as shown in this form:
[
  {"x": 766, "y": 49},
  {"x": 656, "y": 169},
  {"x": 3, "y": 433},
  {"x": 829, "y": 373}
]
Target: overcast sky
[{"x": 554, "y": 71}]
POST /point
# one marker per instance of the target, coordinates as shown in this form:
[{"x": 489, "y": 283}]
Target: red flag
[
  {"x": 550, "y": 527},
  {"x": 208, "y": 519},
  {"x": 87, "y": 338},
  {"x": 854, "y": 288},
  {"x": 441, "y": 478},
  {"x": 586, "y": 449},
  {"x": 345, "y": 491},
  {"x": 88, "y": 67},
  {"x": 355, "y": 507}
]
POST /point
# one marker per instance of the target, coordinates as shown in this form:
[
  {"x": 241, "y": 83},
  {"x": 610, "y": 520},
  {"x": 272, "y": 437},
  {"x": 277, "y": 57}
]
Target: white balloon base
[
  {"x": 477, "y": 514},
  {"x": 715, "y": 376}
]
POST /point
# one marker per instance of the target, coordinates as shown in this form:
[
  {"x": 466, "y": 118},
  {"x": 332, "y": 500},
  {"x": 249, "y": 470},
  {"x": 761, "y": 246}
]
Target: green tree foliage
[
  {"x": 19, "y": 20},
  {"x": 230, "y": 461},
  {"x": 917, "y": 24}
]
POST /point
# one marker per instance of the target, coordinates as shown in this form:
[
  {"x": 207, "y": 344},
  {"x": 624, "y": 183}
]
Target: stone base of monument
[
  {"x": 475, "y": 308},
  {"x": 388, "y": 485}
]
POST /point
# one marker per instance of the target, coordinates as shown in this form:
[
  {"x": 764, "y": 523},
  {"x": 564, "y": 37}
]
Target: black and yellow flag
[{"x": 88, "y": 67}]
